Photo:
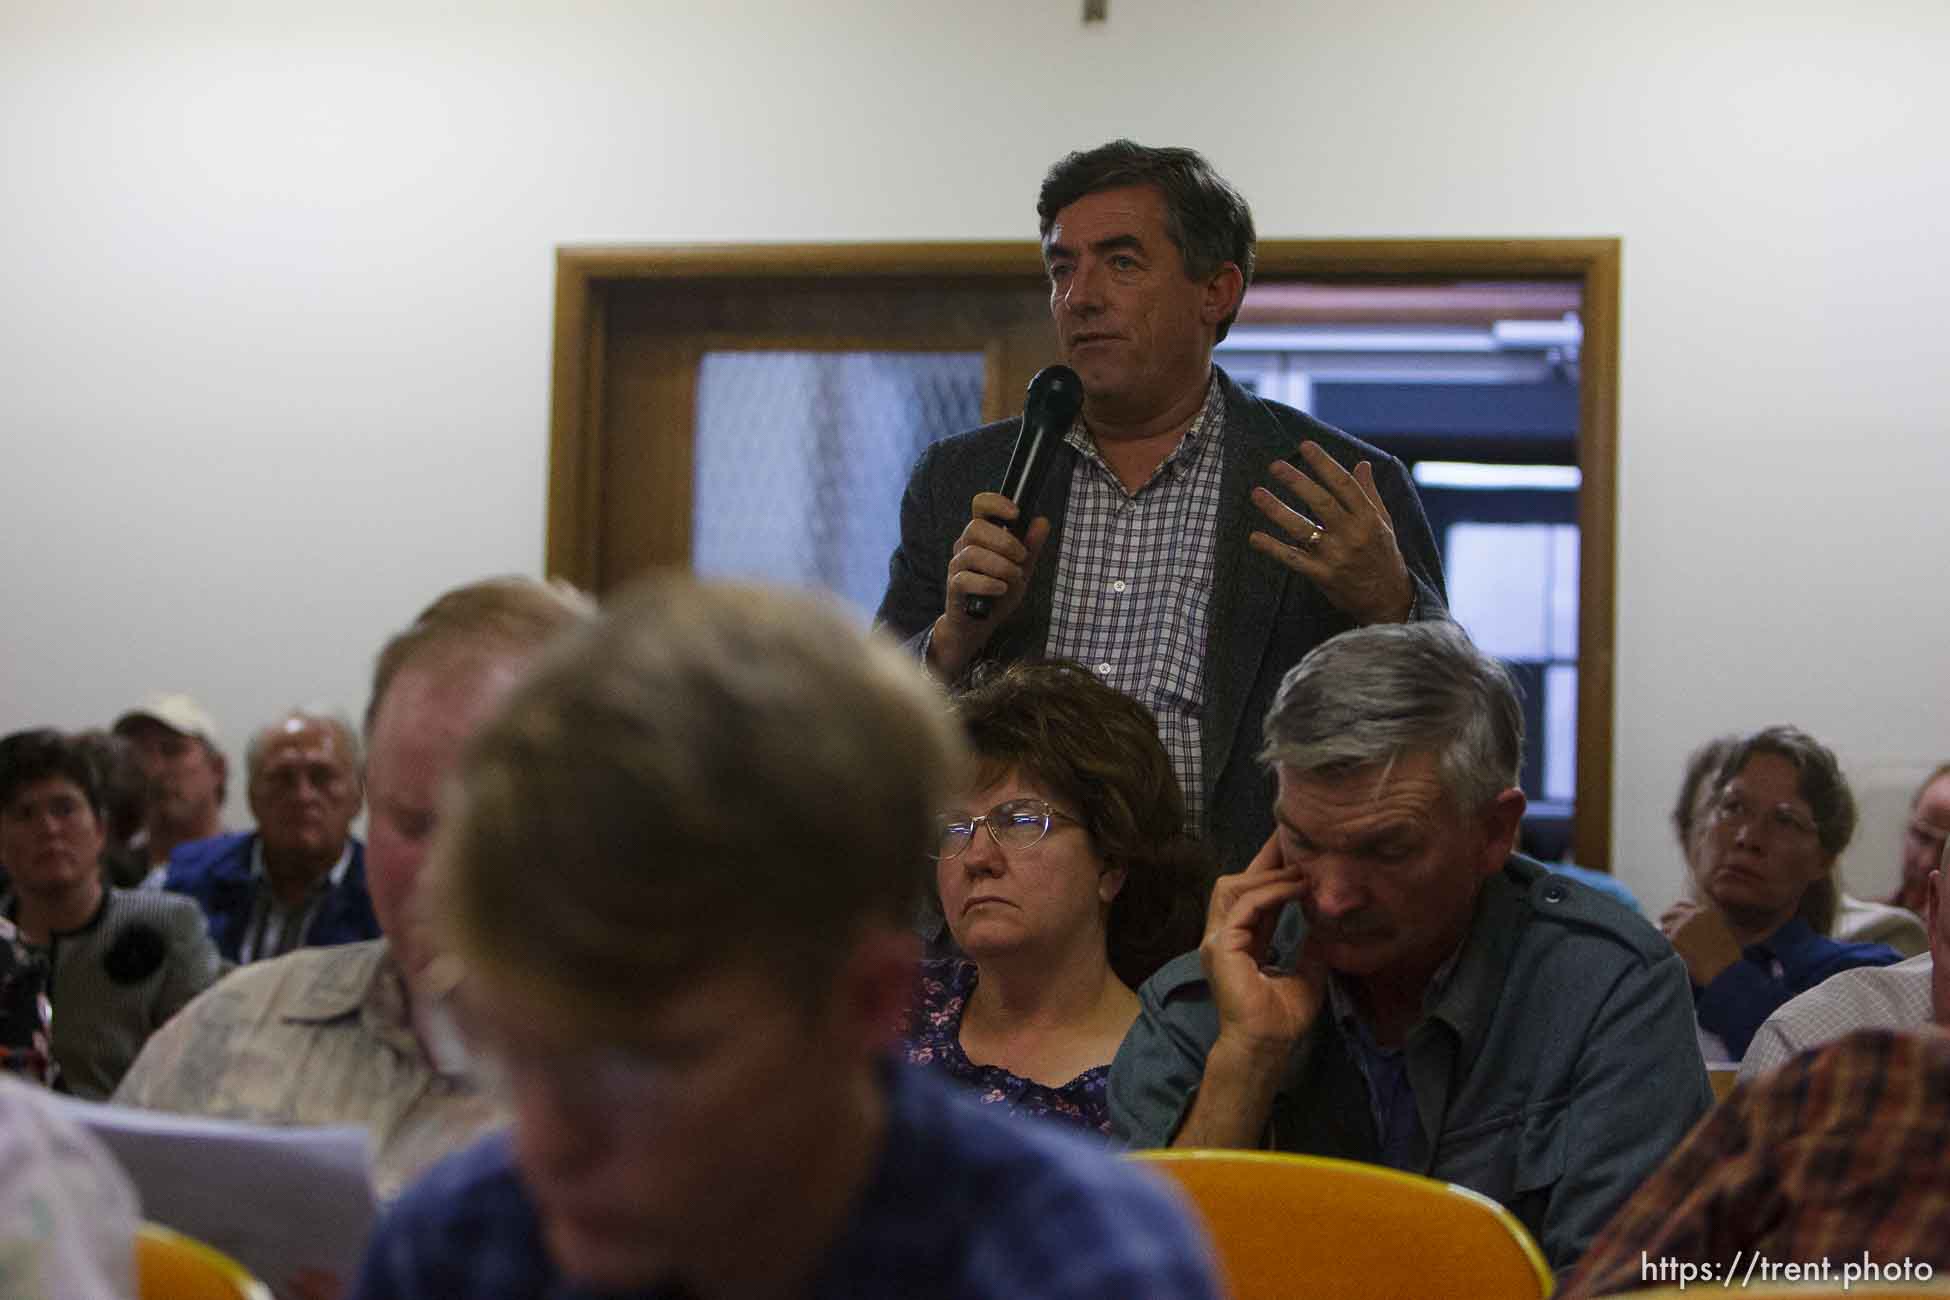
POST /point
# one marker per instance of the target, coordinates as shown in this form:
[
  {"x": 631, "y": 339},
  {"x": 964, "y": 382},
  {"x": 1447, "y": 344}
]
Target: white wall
[{"x": 275, "y": 285}]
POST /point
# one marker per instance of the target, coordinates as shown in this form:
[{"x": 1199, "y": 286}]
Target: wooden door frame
[{"x": 587, "y": 276}]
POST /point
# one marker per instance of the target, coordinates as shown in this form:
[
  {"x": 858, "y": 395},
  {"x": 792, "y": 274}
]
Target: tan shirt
[
  {"x": 1859, "y": 921},
  {"x": 321, "y": 1036}
]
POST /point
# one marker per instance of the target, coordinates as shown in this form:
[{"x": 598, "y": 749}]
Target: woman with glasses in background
[
  {"x": 1763, "y": 856},
  {"x": 1065, "y": 877},
  {"x": 1923, "y": 838}
]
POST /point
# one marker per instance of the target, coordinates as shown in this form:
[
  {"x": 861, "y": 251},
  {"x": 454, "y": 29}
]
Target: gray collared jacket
[
  {"x": 117, "y": 979},
  {"x": 1553, "y": 1070}
]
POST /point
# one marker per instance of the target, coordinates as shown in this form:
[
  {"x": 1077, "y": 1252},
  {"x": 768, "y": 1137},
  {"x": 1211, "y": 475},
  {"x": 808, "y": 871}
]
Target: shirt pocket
[
  {"x": 1516, "y": 1157},
  {"x": 1540, "y": 1157}
]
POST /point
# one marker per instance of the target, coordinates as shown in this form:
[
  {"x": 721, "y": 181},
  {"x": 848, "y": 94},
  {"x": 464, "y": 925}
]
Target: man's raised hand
[{"x": 1343, "y": 538}]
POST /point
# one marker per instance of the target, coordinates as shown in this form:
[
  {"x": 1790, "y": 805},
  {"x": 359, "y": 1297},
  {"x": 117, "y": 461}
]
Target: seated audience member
[
  {"x": 1083, "y": 885},
  {"x": 125, "y": 798},
  {"x": 343, "y": 1035},
  {"x": 25, "y": 1013},
  {"x": 119, "y": 962},
  {"x": 1837, "y": 1155},
  {"x": 299, "y": 879},
  {"x": 678, "y": 885},
  {"x": 1388, "y": 982},
  {"x": 1923, "y": 839},
  {"x": 1781, "y": 813},
  {"x": 176, "y": 746},
  {"x": 1692, "y": 811},
  {"x": 1855, "y": 920},
  {"x": 68, "y": 1214},
  {"x": 1907, "y": 995}
]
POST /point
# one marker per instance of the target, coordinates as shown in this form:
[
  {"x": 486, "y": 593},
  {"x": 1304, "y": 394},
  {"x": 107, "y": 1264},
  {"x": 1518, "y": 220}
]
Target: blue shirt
[
  {"x": 1391, "y": 1097},
  {"x": 963, "y": 1202},
  {"x": 1402, "y": 1143},
  {"x": 224, "y": 877},
  {"x": 1788, "y": 962}
]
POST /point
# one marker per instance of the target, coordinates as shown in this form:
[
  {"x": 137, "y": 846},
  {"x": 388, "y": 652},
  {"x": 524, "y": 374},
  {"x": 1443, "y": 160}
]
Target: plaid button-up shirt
[
  {"x": 1838, "y": 1156},
  {"x": 1134, "y": 582}
]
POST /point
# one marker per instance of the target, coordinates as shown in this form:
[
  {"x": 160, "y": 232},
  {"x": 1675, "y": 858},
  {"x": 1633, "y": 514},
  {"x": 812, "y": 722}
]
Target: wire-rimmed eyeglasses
[
  {"x": 1016, "y": 824},
  {"x": 1733, "y": 810}
]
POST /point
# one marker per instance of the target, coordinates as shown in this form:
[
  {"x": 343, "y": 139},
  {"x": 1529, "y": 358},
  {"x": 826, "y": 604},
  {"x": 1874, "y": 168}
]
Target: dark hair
[
  {"x": 1701, "y": 766},
  {"x": 28, "y": 757},
  {"x": 125, "y": 790},
  {"x": 1205, "y": 216},
  {"x": 1098, "y": 750},
  {"x": 1829, "y": 798}
]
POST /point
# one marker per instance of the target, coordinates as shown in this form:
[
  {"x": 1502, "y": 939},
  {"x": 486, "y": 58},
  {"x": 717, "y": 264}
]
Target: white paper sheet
[{"x": 279, "y": 1200}]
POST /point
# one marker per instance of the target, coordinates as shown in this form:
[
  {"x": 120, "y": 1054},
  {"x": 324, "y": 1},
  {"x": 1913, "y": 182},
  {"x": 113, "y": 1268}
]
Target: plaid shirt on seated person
[{"x": 1836, "y": 1158}]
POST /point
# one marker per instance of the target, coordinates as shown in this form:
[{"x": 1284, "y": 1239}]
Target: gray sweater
[{"x": 116, "y": 979}]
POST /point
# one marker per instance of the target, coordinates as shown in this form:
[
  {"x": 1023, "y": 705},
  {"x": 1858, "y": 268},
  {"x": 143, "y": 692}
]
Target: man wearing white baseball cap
[{"x": 175, "y": 741}]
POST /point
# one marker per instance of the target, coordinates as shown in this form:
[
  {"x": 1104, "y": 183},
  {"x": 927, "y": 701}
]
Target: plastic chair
[
  {"x": 170, "y": 1266},
  {"x": 1722, "y": 1077},
  {"x": 1832, "y": 1290},
  {"x": 1287, "y": 1225}
]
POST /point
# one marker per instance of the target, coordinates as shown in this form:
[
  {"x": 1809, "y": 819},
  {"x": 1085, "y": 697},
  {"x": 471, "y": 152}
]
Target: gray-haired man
[
  {"x": 1389, "y": 982},
  {"x": 299, "y": 879}
]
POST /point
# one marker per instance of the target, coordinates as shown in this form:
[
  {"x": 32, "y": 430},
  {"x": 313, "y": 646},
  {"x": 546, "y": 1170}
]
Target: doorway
[{"x": 754, "y": 410}]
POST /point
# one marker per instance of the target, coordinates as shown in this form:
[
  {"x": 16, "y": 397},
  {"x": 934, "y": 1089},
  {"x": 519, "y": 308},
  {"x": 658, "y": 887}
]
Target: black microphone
[{"x": 1050, "y": 408}]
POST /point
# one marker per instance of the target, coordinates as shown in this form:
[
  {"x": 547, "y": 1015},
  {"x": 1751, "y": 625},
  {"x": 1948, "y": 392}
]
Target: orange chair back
[
  {"x": 1287, "y": 1225},
  {"x": 170, "y": 1266},
  {"x": 1722, "y": 1078},
  {"x": 1832, "y": 1290}
]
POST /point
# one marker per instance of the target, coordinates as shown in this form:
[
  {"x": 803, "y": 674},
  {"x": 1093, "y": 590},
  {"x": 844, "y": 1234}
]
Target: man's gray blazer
[{"x": 1264, "y": 617}]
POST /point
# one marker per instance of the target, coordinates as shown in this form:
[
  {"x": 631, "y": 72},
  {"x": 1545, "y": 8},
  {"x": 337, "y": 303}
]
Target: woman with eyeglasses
[
  {"x": 1065, "y": 877},
  {"x": 1763, "y": 851},
  {"x": 1923, "y": 840}
]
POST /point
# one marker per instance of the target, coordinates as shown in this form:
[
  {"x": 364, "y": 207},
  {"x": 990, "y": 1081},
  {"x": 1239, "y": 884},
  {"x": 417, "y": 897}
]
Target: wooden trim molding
[
  {"x": 1597, "y": 553},
  {"x": 575, "y": 426}
]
